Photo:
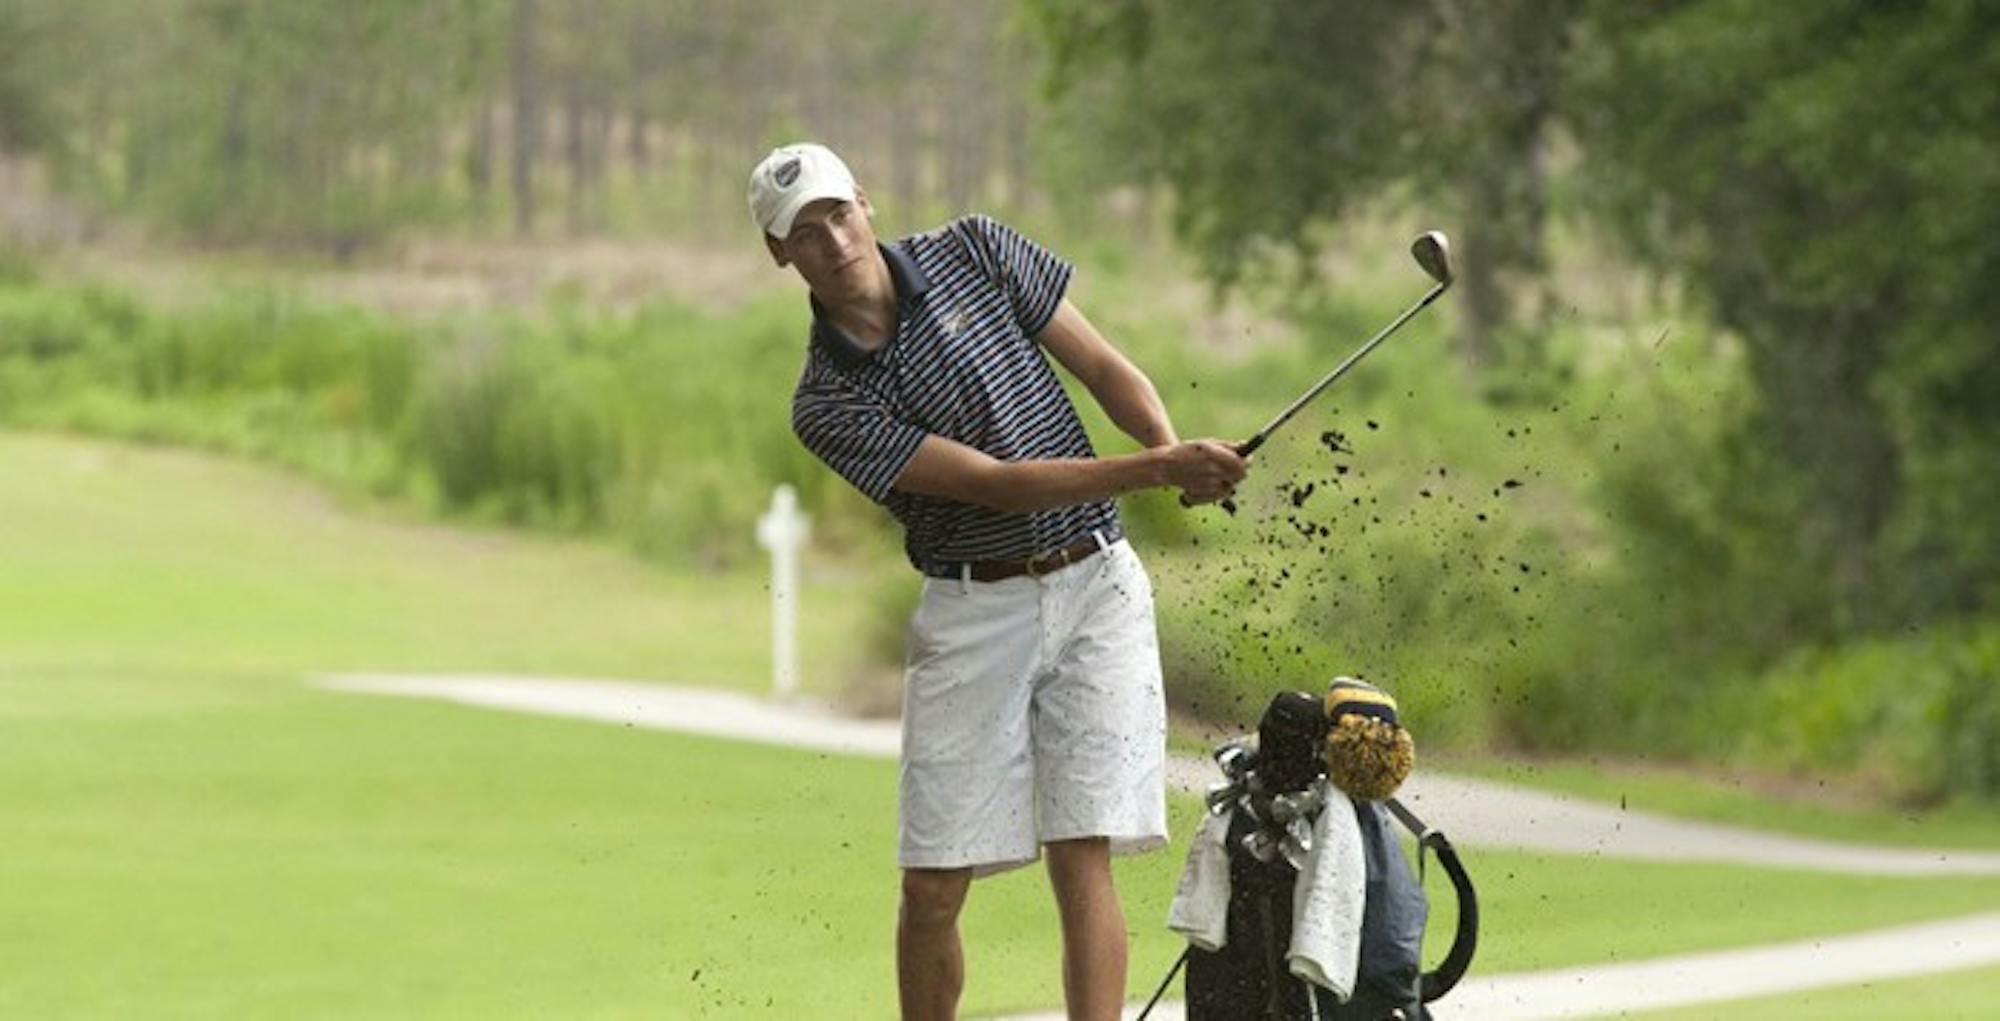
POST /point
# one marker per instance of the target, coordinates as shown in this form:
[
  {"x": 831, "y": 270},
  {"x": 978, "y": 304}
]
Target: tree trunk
[
  {"x": 1485, "y": 301},
  {"x": 574, "y": 158},
  {"x": 638, "y": 148},
  {"x": 476, "y": 83},
  {"x": 905, "y": 156},
  {"x": 1018, "y": 160},
  {"x": 479, "y": 156},
  {"x": 643, "y": 52},
  {"x": 1815, "y": 374},
  {"x": 1517, "y": 59},
  {"x": 527, "y": 115}
]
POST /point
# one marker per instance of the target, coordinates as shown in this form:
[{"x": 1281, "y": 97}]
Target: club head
[{"x": 1433, "y": 252}]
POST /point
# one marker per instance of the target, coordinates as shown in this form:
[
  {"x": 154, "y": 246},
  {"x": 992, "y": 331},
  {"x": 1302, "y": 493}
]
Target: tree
[
  {"x": 332, "y": 124},
  {"x": 1490, "y": 73},
  {"x": 527, "y": 120},
  {"x": 24, "y": 117},
  {"x": 1270, "y": 122},
  {"x": 1827, "y": 175}
]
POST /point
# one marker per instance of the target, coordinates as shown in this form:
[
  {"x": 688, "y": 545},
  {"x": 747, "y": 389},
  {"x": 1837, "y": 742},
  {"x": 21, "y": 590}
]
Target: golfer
[{"x": 1032, "y": 713}]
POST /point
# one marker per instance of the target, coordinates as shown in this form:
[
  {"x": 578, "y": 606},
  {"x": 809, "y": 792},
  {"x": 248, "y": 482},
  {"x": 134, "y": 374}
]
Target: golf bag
[{"x": 1249, "y": 976}]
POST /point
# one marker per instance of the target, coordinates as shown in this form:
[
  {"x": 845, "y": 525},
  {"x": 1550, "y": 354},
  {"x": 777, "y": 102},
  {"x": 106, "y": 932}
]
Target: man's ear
[
  {"x": 861, "y": 199},
  {"x": 777, "y": 250}
]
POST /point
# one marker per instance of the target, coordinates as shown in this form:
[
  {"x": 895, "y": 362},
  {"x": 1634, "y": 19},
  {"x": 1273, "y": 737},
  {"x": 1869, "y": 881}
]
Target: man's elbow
[{"x": 1016, "y": 502}]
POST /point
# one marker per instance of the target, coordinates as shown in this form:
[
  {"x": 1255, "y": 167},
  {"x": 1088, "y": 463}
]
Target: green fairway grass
[
  {"x": 1961, "y": 996},
  {"x": 1554, "y": 911},
  {"x": 251, "y": 848},
  {"x": 157, "y": 559},
  {"x": 191, "y": 831}
]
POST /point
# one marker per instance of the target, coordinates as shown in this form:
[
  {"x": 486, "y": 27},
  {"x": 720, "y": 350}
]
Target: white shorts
[{"x": 1033, "y": 712}]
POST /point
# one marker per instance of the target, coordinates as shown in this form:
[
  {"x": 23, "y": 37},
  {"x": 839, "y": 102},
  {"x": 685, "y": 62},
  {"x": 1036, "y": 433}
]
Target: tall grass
[{"x": 666, "y": 426}]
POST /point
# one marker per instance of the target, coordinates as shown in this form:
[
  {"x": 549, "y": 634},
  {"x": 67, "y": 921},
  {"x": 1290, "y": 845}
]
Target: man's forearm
[
  {"x": 1022, "y": 487},
  {"x": 1203, "y": 469},
  {"x": 1135, "y": 407}
]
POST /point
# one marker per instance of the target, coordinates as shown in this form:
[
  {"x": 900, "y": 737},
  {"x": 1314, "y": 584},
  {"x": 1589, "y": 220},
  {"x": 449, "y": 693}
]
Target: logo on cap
[{"x": 787, "y": 172}]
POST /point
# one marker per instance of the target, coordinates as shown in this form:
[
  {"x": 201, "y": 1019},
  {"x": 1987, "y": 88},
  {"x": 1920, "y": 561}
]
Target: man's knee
[
  {"x": 932, "y": 897},
  {"x": 1079, "y": 858}
]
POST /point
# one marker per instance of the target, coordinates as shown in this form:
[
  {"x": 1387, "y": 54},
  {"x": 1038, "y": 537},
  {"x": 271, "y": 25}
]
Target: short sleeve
[
  {"x": 855, "y": 435},
  {"x": 1033, "y": 277}
]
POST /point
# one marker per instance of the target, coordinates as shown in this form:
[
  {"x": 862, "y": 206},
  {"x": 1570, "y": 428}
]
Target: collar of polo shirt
[{"x": 910, "y": 283}]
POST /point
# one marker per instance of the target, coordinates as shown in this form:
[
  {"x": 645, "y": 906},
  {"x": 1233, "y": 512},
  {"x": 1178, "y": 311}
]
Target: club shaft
[{"x": 1249, "y": 446}]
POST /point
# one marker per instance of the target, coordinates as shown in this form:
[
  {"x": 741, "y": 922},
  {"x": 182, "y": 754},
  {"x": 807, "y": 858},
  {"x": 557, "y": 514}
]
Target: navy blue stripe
[{"x": 963, "y": 365}]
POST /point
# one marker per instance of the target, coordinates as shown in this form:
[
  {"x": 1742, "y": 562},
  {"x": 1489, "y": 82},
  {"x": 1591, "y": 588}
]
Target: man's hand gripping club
[{"x": 1205, "y": 470}]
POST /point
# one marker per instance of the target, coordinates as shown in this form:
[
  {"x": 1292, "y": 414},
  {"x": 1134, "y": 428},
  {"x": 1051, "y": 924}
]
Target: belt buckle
[{"x": 1061, "y": 555}]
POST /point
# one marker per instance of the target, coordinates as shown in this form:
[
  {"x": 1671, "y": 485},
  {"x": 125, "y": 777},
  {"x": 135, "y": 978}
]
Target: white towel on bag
[
  {"x": 1328, "y": 902},
  {"x": 1200, "y": 910}
]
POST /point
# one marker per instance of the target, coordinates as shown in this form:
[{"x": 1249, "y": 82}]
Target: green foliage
[
  {"x": 1231, "y": 106},
  {"x": 1692, "y": 638},
  {"x": 36, "y": 329},
  {"x": 1918, "y": 714},
  {"x": 1677, "y": 585},
  {"x": 309, "y": 123},
  {"x": 17, "y": 266},
  {"x": 1825, "y": 176},
  {"x": 25, "y": 117},
  {"x": 661, "y": 426},
  {"x": 335, "y": 126},
  {"x": 1273, "y": 124},
  {"x": 1400, "y": 557},
  {"x": 1821, "y": 175}
]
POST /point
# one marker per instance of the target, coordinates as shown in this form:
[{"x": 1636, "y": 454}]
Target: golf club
[{"x": 1432, "y": 250}]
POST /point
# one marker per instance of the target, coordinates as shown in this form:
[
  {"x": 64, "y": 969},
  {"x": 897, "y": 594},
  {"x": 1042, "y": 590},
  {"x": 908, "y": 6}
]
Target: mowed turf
[
  {"x": 1968, "y": 996},
  {"x": 268, "y": 850},
  {"x": 189, "y": 831},
  {"x": 163, "y": 559}
]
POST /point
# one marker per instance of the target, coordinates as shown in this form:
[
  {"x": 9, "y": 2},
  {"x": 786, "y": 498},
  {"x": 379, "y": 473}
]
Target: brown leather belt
[{"x": 1053, "y": 560}]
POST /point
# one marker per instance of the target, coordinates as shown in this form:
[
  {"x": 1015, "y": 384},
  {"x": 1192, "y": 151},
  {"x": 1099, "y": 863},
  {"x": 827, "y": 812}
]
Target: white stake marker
[{"x": 783, "y": 531}]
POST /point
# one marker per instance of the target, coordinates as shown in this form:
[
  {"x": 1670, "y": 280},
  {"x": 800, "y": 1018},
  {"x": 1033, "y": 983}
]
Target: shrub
[{"x": 1919, "y": 715}]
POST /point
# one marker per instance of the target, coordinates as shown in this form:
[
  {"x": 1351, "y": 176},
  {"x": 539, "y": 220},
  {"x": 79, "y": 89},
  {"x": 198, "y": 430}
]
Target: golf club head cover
[
  {"x": 1289, "y": 738},
  {"x": 1368, "y": 753}
]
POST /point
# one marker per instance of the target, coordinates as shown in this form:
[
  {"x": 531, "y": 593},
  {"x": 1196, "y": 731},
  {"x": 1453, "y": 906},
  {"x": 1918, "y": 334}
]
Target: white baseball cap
[{"x": 790, "y": 178}]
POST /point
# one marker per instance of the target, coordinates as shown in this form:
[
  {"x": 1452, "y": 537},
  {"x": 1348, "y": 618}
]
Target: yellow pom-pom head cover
[{"x": 1368, "y": 753}]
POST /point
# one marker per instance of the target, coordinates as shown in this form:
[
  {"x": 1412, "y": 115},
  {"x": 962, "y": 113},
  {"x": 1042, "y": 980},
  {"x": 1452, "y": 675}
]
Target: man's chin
[{"x": 843, "y": 281}]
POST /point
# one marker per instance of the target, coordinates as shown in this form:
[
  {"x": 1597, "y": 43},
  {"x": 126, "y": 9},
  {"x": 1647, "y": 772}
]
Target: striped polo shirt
[{"x": 970, "y": 298}]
